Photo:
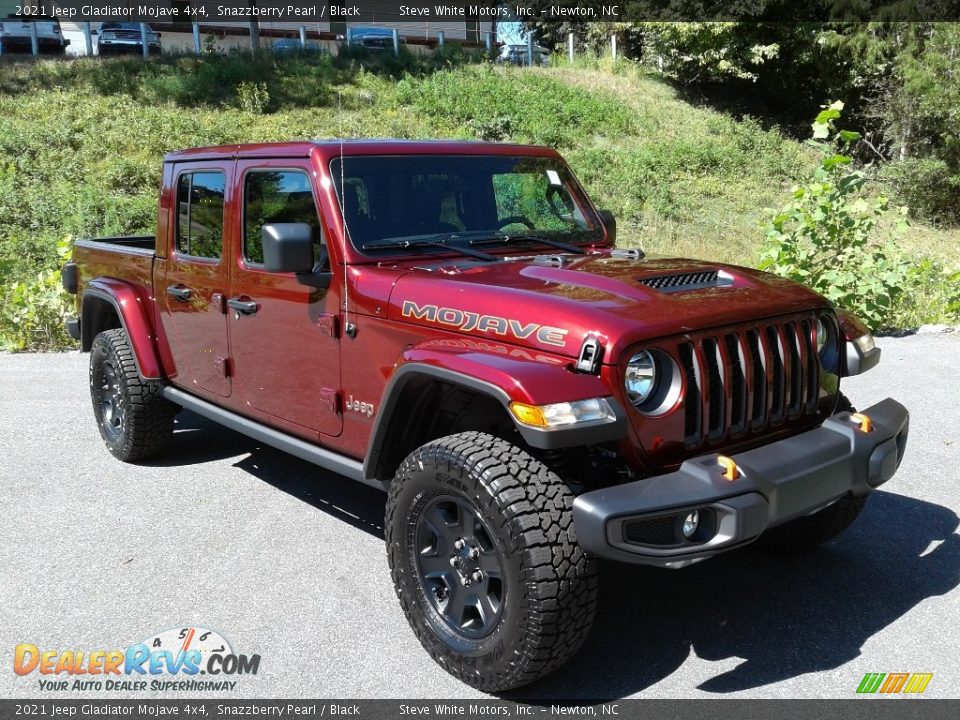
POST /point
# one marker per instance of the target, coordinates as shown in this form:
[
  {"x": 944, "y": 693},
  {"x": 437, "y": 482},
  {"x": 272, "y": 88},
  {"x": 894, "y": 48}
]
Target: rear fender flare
[{"x": 134, "y": 319}]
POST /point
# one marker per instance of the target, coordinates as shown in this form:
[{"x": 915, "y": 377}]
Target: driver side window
[{"x": 277, "y": 196}]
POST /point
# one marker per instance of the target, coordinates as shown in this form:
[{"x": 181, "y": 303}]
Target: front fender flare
[{"x": 506, "y": 380}]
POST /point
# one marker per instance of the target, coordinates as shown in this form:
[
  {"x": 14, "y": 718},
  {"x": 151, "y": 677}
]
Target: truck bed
[{"x": 128, "y": 258}]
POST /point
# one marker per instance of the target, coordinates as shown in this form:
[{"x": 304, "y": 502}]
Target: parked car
[
  {"x": 115, "y": 38},
  {"x": 517, "y": 54},
  {"x": 373, "y": 38},
  {"x": 16, "y": 36},
  {"x": 288, "y": 45},
  {"x": 451, "y": 322}
]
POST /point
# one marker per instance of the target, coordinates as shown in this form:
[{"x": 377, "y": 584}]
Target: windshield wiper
[
  {"x": 442, "y": 242},
  {"x": 508, "y": 238}
]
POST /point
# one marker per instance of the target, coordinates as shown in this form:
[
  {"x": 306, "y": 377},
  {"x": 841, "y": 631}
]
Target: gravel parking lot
[{"x": 287, "y": 561}]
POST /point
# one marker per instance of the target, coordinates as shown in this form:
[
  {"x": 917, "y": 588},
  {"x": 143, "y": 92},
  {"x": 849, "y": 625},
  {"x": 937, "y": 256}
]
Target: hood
[{"x": 551, "y": 303}]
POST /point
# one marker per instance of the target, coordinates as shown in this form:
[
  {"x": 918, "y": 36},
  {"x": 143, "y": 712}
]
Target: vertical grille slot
[
  {"x": 797, "y": 398},
  {"x": 777, "y": 375},
  {"x": 813, "y": 367},
  {"x": 759, "y": 376},
  {"x": 738, "y": 383},
  {"x": 692, "y": 419},
  {"x": 715, "y": 388}
]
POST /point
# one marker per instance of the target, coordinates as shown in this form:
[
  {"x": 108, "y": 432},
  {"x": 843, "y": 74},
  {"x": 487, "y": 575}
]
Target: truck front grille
[{"x": 748, "y": 380}]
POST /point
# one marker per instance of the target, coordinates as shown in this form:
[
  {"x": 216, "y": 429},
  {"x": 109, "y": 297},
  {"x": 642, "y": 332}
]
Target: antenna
[{"x": 350, "y": 328}]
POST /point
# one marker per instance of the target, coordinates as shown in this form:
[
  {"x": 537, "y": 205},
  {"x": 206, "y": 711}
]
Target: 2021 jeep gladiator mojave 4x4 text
[{"x": 450, "y": 322}]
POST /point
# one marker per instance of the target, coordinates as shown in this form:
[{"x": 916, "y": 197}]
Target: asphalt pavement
[{"x": 286, "y": 561}]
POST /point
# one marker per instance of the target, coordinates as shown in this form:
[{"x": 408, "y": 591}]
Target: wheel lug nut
[
  {"x": 453, "y": 562},
  {"x": 474, "y": 553},
  {"x": 478, "y": 576},
  {"x": 459, "y": 544}
]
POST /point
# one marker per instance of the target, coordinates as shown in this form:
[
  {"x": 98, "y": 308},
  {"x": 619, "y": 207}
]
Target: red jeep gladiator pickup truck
[{"x": 451, "y": 322}]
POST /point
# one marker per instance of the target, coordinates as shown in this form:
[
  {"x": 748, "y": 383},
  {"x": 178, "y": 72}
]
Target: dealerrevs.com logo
[{"x": 180, "y": 659}]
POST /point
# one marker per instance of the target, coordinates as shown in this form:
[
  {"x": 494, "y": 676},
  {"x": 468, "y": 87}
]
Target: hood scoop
[{"x": 688, "y": 281}]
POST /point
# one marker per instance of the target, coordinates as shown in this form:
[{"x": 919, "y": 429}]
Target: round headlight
[
  {"x": 822, "y": 334},
  {"x": 641, "y": 377}
]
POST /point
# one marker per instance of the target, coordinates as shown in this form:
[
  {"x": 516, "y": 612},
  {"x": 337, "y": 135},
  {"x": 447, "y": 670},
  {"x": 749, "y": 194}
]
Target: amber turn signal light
[
  {"x": 865, "y": 423},
  {"x": 730, "y": 470}
]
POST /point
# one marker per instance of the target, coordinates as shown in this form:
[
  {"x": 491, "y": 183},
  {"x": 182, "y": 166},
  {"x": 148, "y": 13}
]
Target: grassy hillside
[{"x": 81, "y": 141}]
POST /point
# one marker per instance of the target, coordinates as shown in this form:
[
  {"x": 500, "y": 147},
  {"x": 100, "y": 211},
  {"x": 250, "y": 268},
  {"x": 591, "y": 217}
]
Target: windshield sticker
[
  {"x": 554, "y": 177},
  {"x": 474, "y": 322}
]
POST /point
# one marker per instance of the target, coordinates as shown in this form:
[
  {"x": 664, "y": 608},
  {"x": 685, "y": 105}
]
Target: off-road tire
[
  {"x": 550, "y": 584},
  {"x": 807, "y": 532},
  {"x": 145, "y": 425}
]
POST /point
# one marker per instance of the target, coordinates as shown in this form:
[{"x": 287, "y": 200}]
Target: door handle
[
  {"x": 180, "y": 293},
  {"x": 245, "y": 307}
]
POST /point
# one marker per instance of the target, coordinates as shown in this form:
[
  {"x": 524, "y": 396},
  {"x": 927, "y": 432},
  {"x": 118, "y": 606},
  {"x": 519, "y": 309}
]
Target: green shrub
[
  {"x": 928, "y": 186},
  {"x": 33, "y": 311},
  {"x": 824, "y": 236},
  {"x": 536, "y": 108},
  {"x": 931, "y": 295},
  {"x": 253, "y": 97}
]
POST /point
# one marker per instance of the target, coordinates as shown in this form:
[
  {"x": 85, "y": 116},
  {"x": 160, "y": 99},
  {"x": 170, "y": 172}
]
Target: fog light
[{"x": 690, "y": 524}]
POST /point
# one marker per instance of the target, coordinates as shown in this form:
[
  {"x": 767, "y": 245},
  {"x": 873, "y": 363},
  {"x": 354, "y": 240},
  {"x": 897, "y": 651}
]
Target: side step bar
[{"x": 315, "y": 454}]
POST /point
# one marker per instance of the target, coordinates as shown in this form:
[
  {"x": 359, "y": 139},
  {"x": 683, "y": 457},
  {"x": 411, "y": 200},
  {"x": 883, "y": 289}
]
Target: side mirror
[
  {"x": 287, "y": 247},
  {"x": 609, "y": 224}
]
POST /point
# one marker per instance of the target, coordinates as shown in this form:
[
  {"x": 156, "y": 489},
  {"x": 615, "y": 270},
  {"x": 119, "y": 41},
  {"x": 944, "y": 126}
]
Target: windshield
[{"x": 390, "y": 202}]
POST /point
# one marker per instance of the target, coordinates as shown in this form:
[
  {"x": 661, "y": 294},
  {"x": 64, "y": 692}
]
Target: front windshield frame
[{"x": 589, "y": 230}]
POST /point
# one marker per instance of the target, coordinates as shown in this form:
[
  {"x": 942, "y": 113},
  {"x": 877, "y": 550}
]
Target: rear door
[
  {"x": 192, "y": 295},
  {"x": 286, "y": 350}
]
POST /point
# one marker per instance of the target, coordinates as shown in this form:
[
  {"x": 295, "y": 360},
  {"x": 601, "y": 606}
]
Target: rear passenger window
[
  {"x": 277, "y": 196},
  {"x": 200, "y": 214}
]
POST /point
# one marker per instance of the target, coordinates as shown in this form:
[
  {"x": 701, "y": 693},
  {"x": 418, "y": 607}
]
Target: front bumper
[
  {"x": 778, "y": 482},
  {"x": 126, "y": 45}
]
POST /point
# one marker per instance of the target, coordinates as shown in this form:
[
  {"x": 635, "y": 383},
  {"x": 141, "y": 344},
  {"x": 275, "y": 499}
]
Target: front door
[
  {"x": 193, "y": 290},
  {"x": 284, "y": 327}
]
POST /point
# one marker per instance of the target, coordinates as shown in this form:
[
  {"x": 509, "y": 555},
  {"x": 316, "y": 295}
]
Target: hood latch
[{"x": 590, "y": 357}]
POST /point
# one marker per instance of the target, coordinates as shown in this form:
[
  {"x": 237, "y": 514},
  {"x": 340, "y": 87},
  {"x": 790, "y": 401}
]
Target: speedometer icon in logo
[{"x": 186, "y": 639}]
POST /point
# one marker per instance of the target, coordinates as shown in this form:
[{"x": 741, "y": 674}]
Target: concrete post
[
  {"x": 349, "y": 36},
  {"x": 87, "y": 39},
  {"x": 530, "y": 49},
  {"x": 570, "y": 46},
  {"x": 145, "y": 46},
  {"x": 303, "y": 37},
  {"x": 34, "y": 40},
  {"x": 254, "y": 35},
  {"x": 613, "y": 46},
  {"x": 488, "y": 43},
  {"x": 196, "y": 37},
  {"x": 396, "y": 43},
  {"x": 440, "y": 39}
]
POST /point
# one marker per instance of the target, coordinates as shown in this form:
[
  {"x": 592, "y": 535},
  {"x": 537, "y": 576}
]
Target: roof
[{"x": 381, "y": 146}]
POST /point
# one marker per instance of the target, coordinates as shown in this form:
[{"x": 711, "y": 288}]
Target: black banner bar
[
  {"x": 304, "y": 709},
  {"x": 418, "y": 11}
]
